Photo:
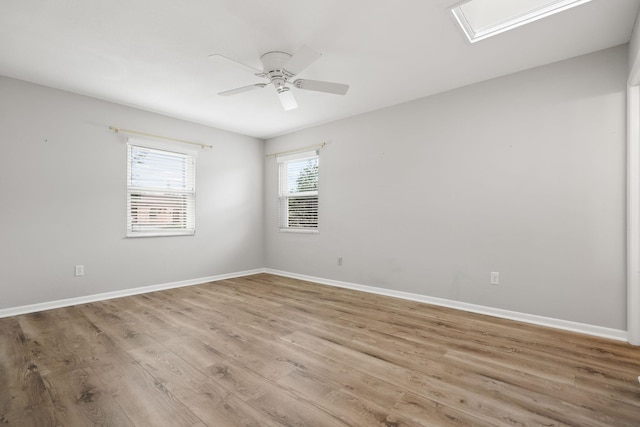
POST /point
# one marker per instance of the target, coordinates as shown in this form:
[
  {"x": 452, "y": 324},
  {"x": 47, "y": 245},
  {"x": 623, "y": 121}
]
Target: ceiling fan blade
[
  {"x": 286, "y": 99},
  {"x": 242, "y": 89},
  {"x": 320, "y": 86},
  {"x": 238, "y": 64},
  {"x": 300, "y": 60}
]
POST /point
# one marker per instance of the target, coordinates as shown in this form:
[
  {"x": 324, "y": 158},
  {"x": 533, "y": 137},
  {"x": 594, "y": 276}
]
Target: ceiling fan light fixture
[
  {"x": 481, "y": 19},
  {"x": 286, "y": 98}
]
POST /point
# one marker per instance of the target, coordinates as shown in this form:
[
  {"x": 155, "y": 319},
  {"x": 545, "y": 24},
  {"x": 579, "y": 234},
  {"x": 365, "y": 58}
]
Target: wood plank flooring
[{"x": 271, "y": 351}]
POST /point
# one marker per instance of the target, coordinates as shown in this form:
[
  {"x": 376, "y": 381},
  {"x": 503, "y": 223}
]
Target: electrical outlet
[
  {"x": 339, "y": 260},
  {"x": 495, "y": 278},
  {"x": 79, "y": 270}
]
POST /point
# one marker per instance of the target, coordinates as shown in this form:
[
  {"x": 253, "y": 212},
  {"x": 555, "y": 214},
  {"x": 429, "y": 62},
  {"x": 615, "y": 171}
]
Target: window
[
  {"x": 160, "y": 191},
  {"x": 485, "y": 18},
  {"x": 298, "y": 204}
]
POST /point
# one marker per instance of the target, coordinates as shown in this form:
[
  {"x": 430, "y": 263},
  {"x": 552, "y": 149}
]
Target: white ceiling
[{"x": 153, "y": 54}]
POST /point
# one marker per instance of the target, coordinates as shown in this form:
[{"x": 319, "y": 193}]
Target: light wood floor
[{"x": 269, "y": 351}]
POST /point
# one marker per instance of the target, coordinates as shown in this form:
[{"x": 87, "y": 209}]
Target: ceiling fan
[{"x": 280, "y": 68}]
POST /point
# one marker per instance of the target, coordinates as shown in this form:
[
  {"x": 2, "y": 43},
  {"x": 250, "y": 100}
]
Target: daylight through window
[
  {"x": 298, "y": 195},
  {"x": 160, "y": 192},
  {"x": 480, "y": 19}
]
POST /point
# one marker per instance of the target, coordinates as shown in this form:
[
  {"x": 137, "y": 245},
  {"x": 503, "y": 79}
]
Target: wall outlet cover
[
  {"x": 79, "y": 271},
  {"x": 495, "y": 278}
]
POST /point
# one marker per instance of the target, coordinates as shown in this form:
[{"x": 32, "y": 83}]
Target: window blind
[
  {"x": 298, "y": 192},
  {"x": 160, "y": 192}
]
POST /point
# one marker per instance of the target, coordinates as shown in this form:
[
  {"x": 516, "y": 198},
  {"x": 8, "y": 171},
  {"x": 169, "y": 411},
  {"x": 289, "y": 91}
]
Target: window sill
[
  {"x": 135, "y": 235},
  {"x": 299, "y": 230}
]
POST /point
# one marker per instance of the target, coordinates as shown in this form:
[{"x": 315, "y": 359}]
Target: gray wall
[
  {"x": 523, "y": 174},
  {"x": 634, "y": 44},
  {"x": 63, "y": 200}
]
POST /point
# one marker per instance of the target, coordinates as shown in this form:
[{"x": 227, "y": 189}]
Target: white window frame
[
  {"x": 285, "y": 195},
  {"x": 185, "y": 227},
  {"x": 507, "y": 15}
]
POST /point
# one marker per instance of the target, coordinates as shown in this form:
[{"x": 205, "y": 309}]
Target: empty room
[{"x": 320, "y": 213}]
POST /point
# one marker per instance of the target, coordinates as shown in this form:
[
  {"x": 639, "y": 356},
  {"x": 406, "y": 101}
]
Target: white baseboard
[
  {"x": 566, "y": 325},
  {"x": 31, "y": 308}
]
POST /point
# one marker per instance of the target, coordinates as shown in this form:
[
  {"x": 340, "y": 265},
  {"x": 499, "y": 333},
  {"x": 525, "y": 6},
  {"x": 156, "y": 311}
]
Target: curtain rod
[
  {"x": 297, "y": 150},
  {"x": 135, "y": 132}
]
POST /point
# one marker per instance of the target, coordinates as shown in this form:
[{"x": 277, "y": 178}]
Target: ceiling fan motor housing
[{"x": 273, "y": 66}]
